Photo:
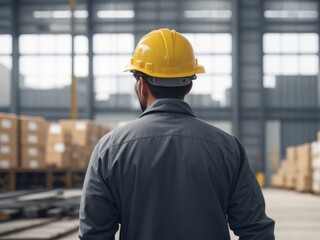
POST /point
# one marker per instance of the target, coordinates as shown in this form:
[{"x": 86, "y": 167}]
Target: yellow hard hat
[{"x": 164, "y": 53}]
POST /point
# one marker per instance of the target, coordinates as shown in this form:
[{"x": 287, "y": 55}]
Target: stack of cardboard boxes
[
  {"x": 303, "y": 163},
  {"x": 289, "y": 168},
  {"x": 84, "y": 134},
  {"x": 301, "y": 169},
  {"x": 277, "y": 179},
  {"x": 58, "y": 147},
  {"x": 8, "y": 141},
  {"x": 315, "y": 151},
  {"x": 32, "y": 142},
  {"x": 103, "y": 130}
]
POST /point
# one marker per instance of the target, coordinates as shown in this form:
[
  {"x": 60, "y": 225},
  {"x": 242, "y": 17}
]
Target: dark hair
[
  {"x": 168, "y": 92},
  {"x": 163, "y": 92}
]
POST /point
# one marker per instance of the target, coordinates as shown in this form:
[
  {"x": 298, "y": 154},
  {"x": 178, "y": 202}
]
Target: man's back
[{"x": 169, "y": 175}]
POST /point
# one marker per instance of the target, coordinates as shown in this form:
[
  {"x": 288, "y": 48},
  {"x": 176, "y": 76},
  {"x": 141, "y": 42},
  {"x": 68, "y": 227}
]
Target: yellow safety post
[{"x": 261, "y": 178}]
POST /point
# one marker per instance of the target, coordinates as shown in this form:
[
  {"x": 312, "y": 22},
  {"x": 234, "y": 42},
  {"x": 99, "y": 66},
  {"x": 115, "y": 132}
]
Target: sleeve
[
  {"x": 246, "y": 209},
  {"x": 99, "y": 216}
]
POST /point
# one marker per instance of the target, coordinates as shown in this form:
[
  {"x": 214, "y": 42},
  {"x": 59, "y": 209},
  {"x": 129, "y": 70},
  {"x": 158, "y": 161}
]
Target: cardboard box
[
  {"x": 8, "y": 122},
  {"x": 32, "y": 124},
  {"x": 32, "y": 151},
  {"x": 291, "y": 153},
  {"x": 83, "y": 132},
  {"x": 58, "y": 159},
  {"x": 8, "y": 137},
  {"x": 6, "y": 163},
  {"x": 58, "y": 148},
  {"x": 8, "y": 156},
  {"x": 33, "y": 138},
  {"x": 8, "y": 150},
  {"x": 316, "y": 181},
  {"x": 77, "y": 125},
  {"x": 303, "y": 161},
  {"x": 315, "y": 163},
  {"x": 316, "y": 175},
  {"x": 55, "y": 134},
  {"x": 58, "y": 154},
  {"x": 303, "y": 184},
  {"x": 33, "y": 162},
  {"x": 103, "y": 130},
  {"x": 315, "y": 149},
  {"x": 32, "y": 157},
  {"x": 79, "y": 157},
  {"x": 277, "y": 180},
  {"x": 289, "y": 181},
  {"x": 288, "y": 167}
]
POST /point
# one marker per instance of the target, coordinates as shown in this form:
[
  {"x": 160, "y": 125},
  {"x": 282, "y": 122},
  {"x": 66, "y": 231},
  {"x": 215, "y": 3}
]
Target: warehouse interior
[{"x": 61, "y": 70}]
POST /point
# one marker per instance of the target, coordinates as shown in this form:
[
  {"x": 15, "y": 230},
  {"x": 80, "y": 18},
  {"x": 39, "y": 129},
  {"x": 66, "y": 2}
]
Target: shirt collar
[{"x": 169, "y": 105}]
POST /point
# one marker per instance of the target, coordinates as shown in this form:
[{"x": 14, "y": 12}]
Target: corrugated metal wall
[
  {"x": 50, "y": 98},
  {"x": 296, "y": 133},
  {"x": 294, "y": 91}
]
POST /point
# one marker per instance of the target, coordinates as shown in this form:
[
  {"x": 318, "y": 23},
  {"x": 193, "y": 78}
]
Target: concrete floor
[{"x": 297, "y": 215}]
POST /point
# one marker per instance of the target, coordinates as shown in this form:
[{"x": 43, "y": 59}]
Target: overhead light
[
  {"x": 218, "y": 14},
  {"x": 42, "y": 14},
  {"x": 60, "y": 14},
  {"x": 290, "y": 14},
  {"x": 81, "y": 14},
  {"x": 115, "y": 14}
]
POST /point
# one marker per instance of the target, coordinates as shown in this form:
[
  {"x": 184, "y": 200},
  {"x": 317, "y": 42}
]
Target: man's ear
[
  {"x": 144, "y": 88},
  {"x": 189, "y": 87}
]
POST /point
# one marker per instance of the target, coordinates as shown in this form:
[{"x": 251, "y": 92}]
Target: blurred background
[{"x": 62, "y": 88}]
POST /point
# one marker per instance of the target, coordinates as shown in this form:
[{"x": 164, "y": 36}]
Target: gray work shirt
[{"x": 169, "y": 175}]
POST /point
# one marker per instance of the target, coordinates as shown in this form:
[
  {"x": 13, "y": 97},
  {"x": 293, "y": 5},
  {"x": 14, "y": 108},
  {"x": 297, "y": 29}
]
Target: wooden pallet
[{"x": 18, "y": 178}]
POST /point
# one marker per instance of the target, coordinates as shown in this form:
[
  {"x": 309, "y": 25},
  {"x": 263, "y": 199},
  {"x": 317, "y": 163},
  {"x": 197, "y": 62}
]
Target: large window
[
  {"x": 291, "y": 68},
  {"x": 5, "y": 69},
  {"x": 214, "y": 52},
  {"x": 45, "y": 60},
  {"x": 6, "y": 51},
  {"x": 111, "y": 53},
  {"x": 290, "y": 54}
]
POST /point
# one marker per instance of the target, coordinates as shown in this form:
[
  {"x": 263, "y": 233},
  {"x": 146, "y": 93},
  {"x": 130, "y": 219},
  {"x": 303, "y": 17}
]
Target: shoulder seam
[{"x": 170, "y": 135}]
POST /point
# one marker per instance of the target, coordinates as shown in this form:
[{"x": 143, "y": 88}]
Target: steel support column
[
  {"x": 248, "y": 101},
  {"x": 15, "y": 75},
  {"x": 263, "y": 100},
  {"x": 319, "y": 55},
  {"x": 90, "y": 79},
  {"x": 235, "y": 93}
]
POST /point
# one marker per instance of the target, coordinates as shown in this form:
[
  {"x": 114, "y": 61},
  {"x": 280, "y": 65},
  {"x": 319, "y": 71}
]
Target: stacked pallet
[
  {"x": 58, "y": 147},
  {"x": 315, "y": 150},
  {"x": 8, "y": 141},
  {"x": 289, "y": 168},
  {"x": 32, "y": 142},
  {"x": 84, "y": 134},
  {"x": 303, "y": 166},
  {"x": 277, "y": 179}
]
